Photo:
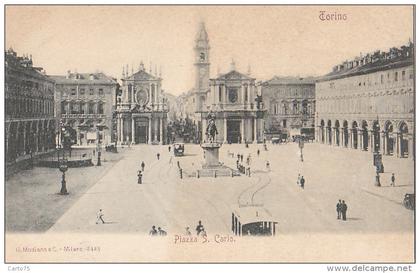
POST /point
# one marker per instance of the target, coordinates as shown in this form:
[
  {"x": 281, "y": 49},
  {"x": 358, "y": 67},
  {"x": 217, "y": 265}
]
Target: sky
[{"x": 271, "y": 40}]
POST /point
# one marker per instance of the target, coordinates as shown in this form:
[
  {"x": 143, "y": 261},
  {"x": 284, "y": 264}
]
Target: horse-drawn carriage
[{"x": 178, "y": 149}]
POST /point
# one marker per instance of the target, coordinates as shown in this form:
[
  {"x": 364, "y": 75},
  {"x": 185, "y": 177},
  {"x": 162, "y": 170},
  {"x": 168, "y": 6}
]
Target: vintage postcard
[{"x": 204, "y": 134}]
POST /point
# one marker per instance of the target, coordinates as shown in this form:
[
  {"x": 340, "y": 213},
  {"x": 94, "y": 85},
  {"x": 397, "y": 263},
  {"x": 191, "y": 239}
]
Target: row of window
[
  {"x": 83, "y": 91},
  {"x": 29, "y": 107},
  {"x": 303, "y": 108},
  {"x": 382, "y": 79},
  {"x": 82, "y": 108}
]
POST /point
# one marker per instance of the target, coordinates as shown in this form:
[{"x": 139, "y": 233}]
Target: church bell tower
[{"x": 202, "y": 67}]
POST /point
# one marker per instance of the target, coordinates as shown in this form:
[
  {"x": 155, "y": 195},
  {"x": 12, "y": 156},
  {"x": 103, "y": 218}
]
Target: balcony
[{"x": 83, "y": 116}]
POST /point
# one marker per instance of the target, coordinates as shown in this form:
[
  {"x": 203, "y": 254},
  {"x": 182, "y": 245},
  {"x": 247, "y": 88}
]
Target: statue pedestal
[{"x": 211, "y": 154}]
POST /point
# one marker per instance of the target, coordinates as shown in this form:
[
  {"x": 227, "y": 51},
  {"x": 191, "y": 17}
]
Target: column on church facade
[
  {"x": 133, "y": 130},
  {"x": 155, "y": 126},
  {"x": 149, "y": 138},
  {"x": 255, "y": 130},
  {"x": 224, "y": 130},
  {"x": 160, "y": 131},
  {"x": 242, "y": 95},
  {"x": 243, "y": 139},
  {"x": 371, "y": 142},
  {"x": 122, "y": 129},
  {"x": 342, "y": 137},
  {"x": 225, "y": 98}
]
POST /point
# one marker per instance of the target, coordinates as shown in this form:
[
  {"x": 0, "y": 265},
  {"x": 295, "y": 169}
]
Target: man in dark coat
[
  {"x": 139, "y": 177},
  {"x": 338, "y": 208},
  {"x": 344, "y": 210},
  {"x": 153, "y": 231},
  {"x": 199, "y": 228},
  {"x": 142, "y": 166},
  {"x": 302, "y": 182}
]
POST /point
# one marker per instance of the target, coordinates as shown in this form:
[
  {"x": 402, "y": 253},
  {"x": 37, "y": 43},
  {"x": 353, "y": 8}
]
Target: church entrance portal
[
  {"x": 233, "y": 131},
  {"x": 142, "y": 128}
]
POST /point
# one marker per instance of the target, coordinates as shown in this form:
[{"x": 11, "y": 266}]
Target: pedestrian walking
[
  {"x": 187, "y": 231},
  {"x": 239, "y": 157},
  {"x": 242, "y": 158},
  {"x": 378, "y": 180},
  {"x": 338, "y": 208},
  {"x": 247, "y": 160},
  {"x": 393, "y": 180},
  {"x": 199, "y": 228},
  {"x": 302, "y": 182},
  {"x": 100, "y": 217},
  {"x": 267, "y": 165},
  {"x": 153, "y": 231},
  {"x": 142, "y": 166},
  {"x": 344, "y": 210},
  {"x": 249, "y": 171},
  {"x": 158, "y": 155},
  {"x": 177, "y": 163},
  {"x": 258, "y": 152},
  {"x": 298, "y": 179},
  {"x": 169, "y": 148},
  {"x": 139, "y": 177},
  {"x": 161, "y": 232}
]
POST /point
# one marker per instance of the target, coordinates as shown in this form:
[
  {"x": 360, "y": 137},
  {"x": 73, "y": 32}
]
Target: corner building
[
  {"x": 86, "y": 101},
  {"x": 290, "y": 102},
  {"x": 368, "y": 103},
  {"x": 30, "y": 125}
]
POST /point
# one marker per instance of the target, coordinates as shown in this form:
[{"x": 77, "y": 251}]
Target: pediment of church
[
  {"x": 142, "y": 76},
  {"x": 234, "y": 75}
]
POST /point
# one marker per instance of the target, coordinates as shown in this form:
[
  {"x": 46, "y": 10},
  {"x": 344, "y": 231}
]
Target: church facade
[
  {"x": 230, "y": 98},
  {"x": 141, "y": 109}
]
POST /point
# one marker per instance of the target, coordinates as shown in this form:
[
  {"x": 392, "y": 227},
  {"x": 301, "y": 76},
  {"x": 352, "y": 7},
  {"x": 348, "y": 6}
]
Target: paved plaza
[{"x": 165, "y": 200}]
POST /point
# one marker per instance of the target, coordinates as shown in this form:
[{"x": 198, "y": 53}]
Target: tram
[
  {"x": 253, "y": 220},
  {"x": 178, "y": 149}
]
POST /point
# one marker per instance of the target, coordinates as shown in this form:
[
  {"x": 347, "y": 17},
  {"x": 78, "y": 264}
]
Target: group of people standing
[
  {"x": 158, "y": 232},
  {"x": 341, "y": 208}
]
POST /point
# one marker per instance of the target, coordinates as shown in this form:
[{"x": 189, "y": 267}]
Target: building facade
[
  {"x": 290, "y": 103},
  {"x": 29, "y": 102},
  {"x": 238, "y": 117},
  {"x": 368, "y": 103},
  {"x": 141, "y": 109},
  {"x": 86, "y": 101}
]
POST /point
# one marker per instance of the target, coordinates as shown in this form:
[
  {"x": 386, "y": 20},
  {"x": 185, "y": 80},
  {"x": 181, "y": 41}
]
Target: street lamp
[
  {"x": 63, "y": 167},
  {"x": 301, "y": 145},
  {"x": 98, "y": 145}
]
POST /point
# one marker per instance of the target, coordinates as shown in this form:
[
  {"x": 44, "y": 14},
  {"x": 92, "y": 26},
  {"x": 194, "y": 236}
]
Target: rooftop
[
  {"x": 83, "y": 78},
  {"x": 290, "y": 80},
  {"x": 372, "y": 62}
]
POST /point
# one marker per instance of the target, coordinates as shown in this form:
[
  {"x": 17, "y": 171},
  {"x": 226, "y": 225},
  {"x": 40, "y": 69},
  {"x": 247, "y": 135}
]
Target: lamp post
[
  {"x": 301, "y": 145},
  {"x": 98, "y": 146},
  {"x": 63, "y": 167}
]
